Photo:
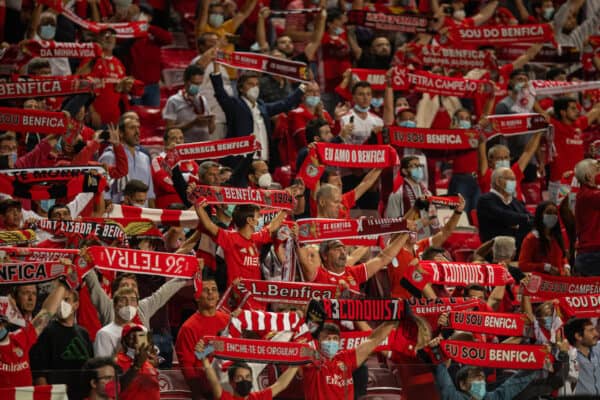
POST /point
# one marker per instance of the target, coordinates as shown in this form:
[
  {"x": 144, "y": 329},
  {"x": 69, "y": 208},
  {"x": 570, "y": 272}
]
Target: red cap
[{"x": 127, "y": 329}]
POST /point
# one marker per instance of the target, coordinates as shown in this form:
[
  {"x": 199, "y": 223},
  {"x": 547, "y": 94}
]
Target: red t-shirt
[
  {"x": 242, "y": 255},
  {"x": 396, "y": 273},
  {"x": 15, "y": 369},
  {"x": 348, "y": 202},
  {"x": 569, "y": 146},
  {"x": 333, "y": 61},
  {"x": 144, "y": 385},
  {"x": 331, "y": 379},
  {"x": 193, "y": 329},
  {"x": 354, "y": 275},
  {"x": 107, "y": 98},
  {"x": 265, "y": 394},
  {"x": 485, "y": 181},
  {"x": 296, "y": 133}
]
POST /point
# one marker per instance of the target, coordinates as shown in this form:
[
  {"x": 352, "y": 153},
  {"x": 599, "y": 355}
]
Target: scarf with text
[
  {"x": 499, "y": 324},
  {"x": 316, "y": 230},
  {"x": 434, "y": 307},
  {"x": 52, "y": 49},
  {"x": 429, "y": 138},
  {"x": 444, "y": 201},
  {"x": 56, "y": 86},
  {"x": 502, "y": 35},
  {"x": 38, "y": 175},
  {"x": 497, "y": 355},
  {"x": 511, "y": 52},
  {"x": 548, "y": 88},
  {"x": 404, "y": 79},
  {"x": 344, "y": 156},
  {"x": 584, "y": 306},
  {"x": 279, "y": 199},
  {"x": 448, "y": 57},
  {"x": 285, "y": 292},
  {"x": 183, "y": 218},
  {"x": 27, "y": 120},
  {"x": 107, "y": 232},
  {"x": 211, "y": 150},
  {"x": 21, "y": 237},
  {"x": 515, "y": 124},
  {"x": 350, "y": 340},
  {"x": 38, "y": 254},
  {"x": 551, "y": 287},
  {"x": 124, "y": 30},
  {"x": 86, "y": 183},
  {"x": 410, "y": 23},
  {"x": 293, "y": 70},
  {"x": 263, "y": 321},
  {"x": 261, "y": 351},
  {"x": 358, "y": 309},
  {"x": 144, "y": 262},
  {"x": 36, "y": 272},
  {"x": 456, "y": 274}
]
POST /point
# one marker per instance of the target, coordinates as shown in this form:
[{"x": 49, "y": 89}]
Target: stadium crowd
[{"x": 292, "y": 199}]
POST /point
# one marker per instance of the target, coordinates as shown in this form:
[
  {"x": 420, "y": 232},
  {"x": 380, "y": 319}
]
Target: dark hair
[
  {"x": 252, "y": 166},
  {"x": 431, "y": 252},
  {"x": 55, "y": 207},
  {"x": 361, "y": 84},
  {"x": 561, "y": 104},
  {"x": 329, "y": 171},
  {"x": 405, "y": 162},
  {"x": 135, "y": 186},
  {"x": 192, "y": 70},
  {"x": 235, "y": 366},
  {"x": 517, "y": 72},
  {"x": 576, "y": 325},
  {"x": 7, "y": 136},
  {"x": 463, "y": 374},
  {"x": 333, "y": 14},
  {"x": 15, "y": 289},
  {"x": 117, "y": 281},
  {"x": 554, "y": 72},
  {"x": 555, "y": 232},
  {"x": 201, "y": 41},
  {"x": 479, "y": 288},
  {"x": 166, "y": 135},
  {"x": 7, "y": 204},
  {"x": 89, "y": 370},
  {"x": 312, "y": 128},
  {"x": 34, "y": 66},
  {"x": 244, "y": 76},
  {"x": 242, "y": 212},
  {"x": 330, "y": 329}
]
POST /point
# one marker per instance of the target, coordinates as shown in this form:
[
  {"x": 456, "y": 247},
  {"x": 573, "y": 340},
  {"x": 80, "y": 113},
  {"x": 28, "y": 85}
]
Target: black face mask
[{"x": 243, "y": 388}]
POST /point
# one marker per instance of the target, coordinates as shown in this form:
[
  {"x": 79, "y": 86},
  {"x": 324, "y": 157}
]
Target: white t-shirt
[
  {"x": 362, "y": 127},
  {"x": 182, "y": 111}
]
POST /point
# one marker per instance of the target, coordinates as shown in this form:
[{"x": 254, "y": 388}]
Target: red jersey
[
  {"x": 144, "y": 385},
  {"x": 331, "y": 379},
  {"x": 193, "y": 329},
  {"x": 403, "y": 258},
  {"x": 296, "y": 133},
  {"x": 107, "y": 98},
  {"x": 242, "y": 255},
  {"x": 354, "y": 275},
  {"x": 348, "y": 202},
  {"x": 569, "y": 146},
  {"x": 266, "y": 394},
  {"x": 333, "y": 61},
  {"x": 485, "y": 181},
  {"x": 15, "y": 369},
  {"x": 163, "y": 184}
]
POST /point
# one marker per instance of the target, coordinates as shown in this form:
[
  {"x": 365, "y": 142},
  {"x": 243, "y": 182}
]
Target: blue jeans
[
  {"x": 467, "y": 186},
  {"x": 150, "y": 98},
  {"x": 588, "y": 264}
]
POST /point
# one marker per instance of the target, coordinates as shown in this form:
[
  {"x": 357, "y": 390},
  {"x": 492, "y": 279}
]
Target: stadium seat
[{"x": 384, "y": 393}]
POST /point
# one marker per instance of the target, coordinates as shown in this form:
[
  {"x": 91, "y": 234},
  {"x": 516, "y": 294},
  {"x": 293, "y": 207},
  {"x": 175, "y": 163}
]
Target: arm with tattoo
[{"x": 41, "y": 320}]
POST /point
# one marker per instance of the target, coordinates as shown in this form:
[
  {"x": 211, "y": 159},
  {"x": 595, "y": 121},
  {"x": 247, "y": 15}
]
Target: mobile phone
[
  {"x": 352, "y": 119},
  {"x": 207, "y": 350},
  {"x": 142, "y": 340}
]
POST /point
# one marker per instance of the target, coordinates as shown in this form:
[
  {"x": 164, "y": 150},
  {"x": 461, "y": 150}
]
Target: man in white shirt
[{"x": 364, "y": 122}]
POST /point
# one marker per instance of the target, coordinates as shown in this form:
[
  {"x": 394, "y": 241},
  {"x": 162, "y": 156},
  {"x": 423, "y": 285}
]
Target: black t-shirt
[{"x": 59, "y": 354}]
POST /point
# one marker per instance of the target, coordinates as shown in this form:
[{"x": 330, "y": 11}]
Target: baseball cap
[
  {"x": 327, "y": 245},
  {"x": 127, "y": 329}
]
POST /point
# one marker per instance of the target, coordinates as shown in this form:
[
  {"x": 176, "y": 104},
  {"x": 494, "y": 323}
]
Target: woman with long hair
[{"x": 543, "y": 249}]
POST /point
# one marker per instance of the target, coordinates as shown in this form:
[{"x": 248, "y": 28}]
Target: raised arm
[
  {"x": 388, "y": 101},
  {"x": 527, "y": 56},
  {"x": 376, "y": 337},
  {"x": 43, "y": 317},
  {"x": 240, "y": 17},
  {"x": 529, "y": 151},
  {"x": 367, "y": 182},
  {"x": 439, "y": 238},
  {"x": 386, "y": 255},
  {"x": 261, "y": 34},
  {"x": 205, "y": 220},
  {"x": 309, "y": 262},
  {"x": 211, "y": 375},
  {"x": 277, "y": 221},
  {"x": 485, "y": 13},
  {"x": 310, "y": 50},
  {"x": 284, "y": 380},
  {"x": 594, "y": 114},
  {"x": 203, "y": 18}
]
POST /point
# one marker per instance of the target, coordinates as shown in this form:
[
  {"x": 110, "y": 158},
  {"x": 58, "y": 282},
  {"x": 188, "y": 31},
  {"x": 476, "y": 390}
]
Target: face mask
[
  {"x": 511, "y": 186},
  {"x": 503, "y": 164},
  {"x": 3, "y": 333},
  {"x": 361, "y": 109},
  {"x": 337, "y": 31},
  {"x": 253, "y": 93},
  {"x": 416, "y": 174},
  {"x": 547, "y": 322},
  {"x": 376, "y": 102},
  {"x": 47, "y": 32},
  {"x": 58, "y": 145},
  {"x": 459, "y": 14},
  {"x": 260, "y": 225},
  {"x": 47, "y": 204},
  {"x": 548, "y": 12},
  {"x": 243, "y": 388},
  {"x": 518, "y": 86},
  {"x": 408, "y": 124},
  {"x": 477, "y": 389},
  {"x": 140, "y": 205},
  {"x": 265, "y": 180},
  {"x": 330, "y": 348},
  {"x": 13, "y": 157},
  {"x": 216, "y": 20},
  {"x": 550, "y": 220},
  {"x": 464, "y": 124},
  {"x": 127, "y": 313},
  {"x": 312, "y": 101},
  {"x": 112, "y": 388},
  {"x": 193, "y": 89},
  {"x": 229, "y": 210},
  {"x": 65, "y": 310},
  {"x": 142, "y": 17}
]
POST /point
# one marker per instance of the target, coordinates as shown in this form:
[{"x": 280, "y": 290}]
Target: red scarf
[
  {"x": 35, "y": 272},
  {"x": 107, "y": 232},
  {"x": 279, "y": 199},
  {"x": 264, "y": 351},
  {"x": 444, "y": 201},
  {"x": 514, "y": 124},
  {"x": 54, "y": 174},
  {"x": 363, "y": 309},
  {"x": 262, "y": 321},
  {"x": 183, "y": 218},
  {"x": 144, "y": 262},
  {"x": 40, "y": 392},
  {"x": 293, "y": 70},
  {"x": 497, "y": 355},
  {"x": 551, "y": 287},
  {"x": 450, "y": 57},
  {"x": 23, "y": 237},
  {"x": 584, "y": 306},
  {"x": 434, "y": 307},
  {"x": 22, "y": 120},
  {"x": 39, "y": 254},
  {"x": 429, "y": 138},
  {"x": 285, "y": 292},
  {"x": 388, "y": 22},
  {"x": 57, "y": 86},
  {"x": 459, "y": 274},
  {"x": 66, "y": 189},
  {"x": 502, "y": 35},
  {"x": 548, "y": 88},
  {"x": 211, "y": 150},
  {"x": 319, "y": 229},
  {"x": 511, "y": 52},
  {"x": 52, "y": 49},
  {"x": 499, "y": 324}
]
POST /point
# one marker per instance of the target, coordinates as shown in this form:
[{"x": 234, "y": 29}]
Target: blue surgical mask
[
  {"x": 503, "y": 164},
  {"x": 58, "y": 145},
  {"x": 260, "y": 225},
  {"x": 229, "y": 210},
  {"x": 464, "y": 124},
  {"x": 361, "y": 109},
  {"x": 338, "y": 31},
  {"x": 547, "y": 322},
  {"x": 477, "y": 389},
  {"x": 548, "y": 12},
  {"x": 518, "y": 86},
  {"x": 216, "y": 20},
  {"x": 47, "y": 204},
  {"x": 511, "y": 186},
  {"x": 193, "y": 89},
  {"x": 3, "y": 333},
  {"x": 330, "y": 348},
  {"x": 408, "y": 124},
  {"x": 376, "y": 102},
  {"x": 417, "y": 174},
  {"x": 47, "y": 32},
  {"x": 550, "y": 220},
  {"x": 312, "y": 101}
]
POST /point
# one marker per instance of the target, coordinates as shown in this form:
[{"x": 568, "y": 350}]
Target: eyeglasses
[{"x": 107, "y": 378}]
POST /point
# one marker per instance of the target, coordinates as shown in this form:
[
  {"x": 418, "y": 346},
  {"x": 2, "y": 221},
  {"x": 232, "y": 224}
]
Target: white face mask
[
  {"x": 253, "y": 93},
  {"x": 127, "y": 313},
  {"x": 265, "y": 180},
  {"x": 65, "y": 310}
]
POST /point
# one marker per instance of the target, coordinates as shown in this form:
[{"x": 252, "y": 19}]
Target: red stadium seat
[{"x": 384, "y": 393}]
